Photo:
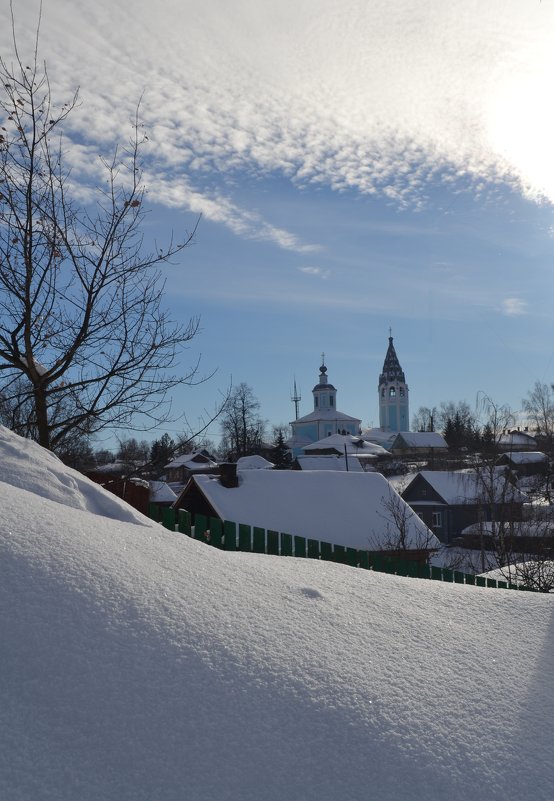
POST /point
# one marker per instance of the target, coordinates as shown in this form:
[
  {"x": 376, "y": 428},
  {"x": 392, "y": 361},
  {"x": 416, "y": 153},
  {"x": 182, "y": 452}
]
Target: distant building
[
  {"x": 325, "y": 418},
  {"x": 180, "y": 468},
  {"x": 525, "y": 463},
  {"x": 449, "y": 501},
  {"x": 517, "y": 440},
  {"x": 349, "y": 464},
  {"x": 347, "y": 446},
  {"x": 418, "y": 444},
  {"x": 394, "y": 408}
]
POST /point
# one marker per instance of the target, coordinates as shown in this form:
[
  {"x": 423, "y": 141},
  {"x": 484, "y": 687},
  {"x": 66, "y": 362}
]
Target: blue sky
[{"x": 357, "y": 166}]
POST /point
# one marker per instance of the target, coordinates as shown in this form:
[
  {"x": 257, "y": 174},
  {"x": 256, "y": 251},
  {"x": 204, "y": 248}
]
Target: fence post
[
  {"x": 200, "y": 527},
  {"x": 168, "y": 518},
  {"x": 326, "y": 550},
  {"x": 184, "y": 521},
  {"x": 258, "y": 540},
  {"x": 299, "y": 546},
  {"x": 216, "y": 532},
  {"x": 313, "y": 549},
  {"x": 286, "y": 544},
  {"x": 230, "y": 534},
  {"x": 273, "y": 542},
  {"x": 245, "y": 538}
]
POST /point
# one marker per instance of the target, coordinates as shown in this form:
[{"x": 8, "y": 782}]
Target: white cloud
[
  {"x": 514, "y": 307},
  {"x": 319, "y": 272},
  {"x": 379, "y": 98}
]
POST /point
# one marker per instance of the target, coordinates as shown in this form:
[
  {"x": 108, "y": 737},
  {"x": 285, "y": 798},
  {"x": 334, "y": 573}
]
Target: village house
[
  {"x": 181, "y": 468},
  {"x": 329, "y": 461},
  {"x": 353, "y": 509},
  {"x": 347, "y": 447},
  {"x": 525, "y": 463},
  {"x": 419, "y": 445},
  {"x": 449, "y": 501},
  {"x": 517, "y": 440}
]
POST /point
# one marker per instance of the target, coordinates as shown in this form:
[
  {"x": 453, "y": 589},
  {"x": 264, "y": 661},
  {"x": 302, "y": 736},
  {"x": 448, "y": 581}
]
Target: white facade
[{"x": 325, "y": 418}]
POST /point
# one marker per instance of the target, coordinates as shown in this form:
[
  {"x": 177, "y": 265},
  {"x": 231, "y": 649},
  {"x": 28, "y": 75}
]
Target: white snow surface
[{"x": 139, "y": 665}]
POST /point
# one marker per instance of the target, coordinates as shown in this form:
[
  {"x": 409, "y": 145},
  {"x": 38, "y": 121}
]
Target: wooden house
[
  {"x": 449, "y": 501},
  {"x": 353, "y": 509}
]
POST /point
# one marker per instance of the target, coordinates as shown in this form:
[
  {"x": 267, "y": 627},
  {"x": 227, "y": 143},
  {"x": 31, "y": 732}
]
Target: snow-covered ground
[{"x": 139, "y": 665}]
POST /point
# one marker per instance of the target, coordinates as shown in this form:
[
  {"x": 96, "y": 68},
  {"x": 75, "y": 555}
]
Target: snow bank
[
  {"x": 26, "y": 465},
  {"x": 139, "y": 665}
]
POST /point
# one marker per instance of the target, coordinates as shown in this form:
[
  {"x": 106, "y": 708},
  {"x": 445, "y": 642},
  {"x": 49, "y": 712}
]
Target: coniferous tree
[{"x": 281, "y": 455}]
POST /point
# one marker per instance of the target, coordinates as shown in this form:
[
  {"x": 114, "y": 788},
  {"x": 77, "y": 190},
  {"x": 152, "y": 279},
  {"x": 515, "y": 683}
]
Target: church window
[
  {"x": 316, "y": 401},
  {"x": 383, "y": 392},
  {"x": 392, "y": 392},
  {"x": 401, "y": 392},
  {"x": 330, "y": 400}
]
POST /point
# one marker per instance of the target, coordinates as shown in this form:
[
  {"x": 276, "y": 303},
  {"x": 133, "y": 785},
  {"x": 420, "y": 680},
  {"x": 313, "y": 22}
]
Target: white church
[{"x": 326, "y": 419}]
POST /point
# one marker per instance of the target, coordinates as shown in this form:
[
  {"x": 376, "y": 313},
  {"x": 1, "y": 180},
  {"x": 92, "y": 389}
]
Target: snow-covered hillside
[{"x": 139, "y": 665}]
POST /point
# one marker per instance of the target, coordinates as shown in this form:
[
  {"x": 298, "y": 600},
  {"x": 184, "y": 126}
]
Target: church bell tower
[{"x": 394, "y": 413}]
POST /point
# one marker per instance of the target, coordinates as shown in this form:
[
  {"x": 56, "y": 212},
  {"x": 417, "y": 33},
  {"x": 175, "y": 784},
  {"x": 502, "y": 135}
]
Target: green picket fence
[{"x": 230, "y": 536}]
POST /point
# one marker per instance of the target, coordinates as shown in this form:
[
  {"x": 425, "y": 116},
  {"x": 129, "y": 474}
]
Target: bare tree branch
[{"x": 85, "y": 343}]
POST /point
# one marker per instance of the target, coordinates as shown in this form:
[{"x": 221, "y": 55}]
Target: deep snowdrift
[{"x": 139, "y": 665}]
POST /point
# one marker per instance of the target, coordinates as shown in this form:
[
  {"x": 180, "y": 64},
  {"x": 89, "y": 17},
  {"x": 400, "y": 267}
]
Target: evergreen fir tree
[{"x": 281, "y": 455}]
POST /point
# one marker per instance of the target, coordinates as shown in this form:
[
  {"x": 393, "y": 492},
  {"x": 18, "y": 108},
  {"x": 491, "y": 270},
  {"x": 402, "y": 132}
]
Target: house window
[{"x": 437, "y": 520}]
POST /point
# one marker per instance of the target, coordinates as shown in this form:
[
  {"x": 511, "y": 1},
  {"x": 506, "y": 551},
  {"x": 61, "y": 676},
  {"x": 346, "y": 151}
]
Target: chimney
[{"x": 228, "y": 475}]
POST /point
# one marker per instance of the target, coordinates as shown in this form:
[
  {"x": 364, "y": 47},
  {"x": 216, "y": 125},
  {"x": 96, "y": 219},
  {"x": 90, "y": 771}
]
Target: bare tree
[
  {"x": 241, "y": 425},
  {"x": 521, "y": 545},
  {"x": 402, "y": 530},
  {"x": 84, "y": 341},
  {"x": 424, "y": 419},
  {"x": 539, "y": 408}
]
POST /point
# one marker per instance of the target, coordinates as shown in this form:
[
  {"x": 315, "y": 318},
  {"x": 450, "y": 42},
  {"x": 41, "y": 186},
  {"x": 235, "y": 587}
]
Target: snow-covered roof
[
  {"x": 254, "y": 463},
  {"x": 526, "y": 457},
  {"x": 327, "y": 414},
  {"x": 191, "y": 461},
  {"x": 118, "y": 466},
  {"x": 353, "y": 444},
  {"x": 160, "y": 492},
  {"x": 511, "y": 438},
  {"x": 467, "y": 486},
  {"x": 419, "y": 439},
  {"x": 379, "y": 436},
  {"x": 338, "y": 507},
  {"x": 330, "y": 462},
  {"x": 517, "y": 528}
]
